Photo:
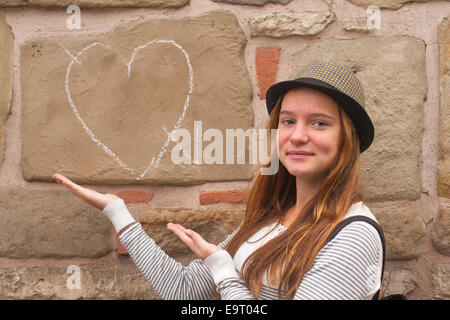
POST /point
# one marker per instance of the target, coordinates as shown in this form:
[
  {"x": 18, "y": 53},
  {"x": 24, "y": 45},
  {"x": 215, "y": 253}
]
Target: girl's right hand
[{"x": 94, "y": 198}]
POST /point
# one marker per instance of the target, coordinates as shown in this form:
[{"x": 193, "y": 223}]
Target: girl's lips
[
  {"x": 297, "y": 155},
  {"x": 301, "y": 152}
]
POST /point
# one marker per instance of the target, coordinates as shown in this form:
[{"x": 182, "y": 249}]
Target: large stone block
[
  {"x": 392, "y": 72},
  {"x": 444, "y": 110},
  {"x": 441, "y": 231},
  {"x": 358, "y": 24},
  {"x": 213, "y": 225},
  {"x": 399, "y": 282},
  {"x": 254, "y": 2},
  {"x": 117, "y": 99},
  {"x": 6, "y": 71},
  {"x": 440, "y": 276},
  {"x": 404, "y": 232},
  {"x": 38, "y": 224},
  {"x": 95, "y": 3},
  {"x": 74, "y": 282},
  {"x": 389, "y": 4},
  {"x": 288, "y": 24}
]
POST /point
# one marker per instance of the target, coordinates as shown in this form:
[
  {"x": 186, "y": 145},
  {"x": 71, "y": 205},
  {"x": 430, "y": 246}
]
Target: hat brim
[{"x": 356, "y": 112}]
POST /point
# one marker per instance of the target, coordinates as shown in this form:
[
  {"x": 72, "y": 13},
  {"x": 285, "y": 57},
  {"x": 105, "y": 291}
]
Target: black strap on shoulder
[{"x": 349, "y": 220}]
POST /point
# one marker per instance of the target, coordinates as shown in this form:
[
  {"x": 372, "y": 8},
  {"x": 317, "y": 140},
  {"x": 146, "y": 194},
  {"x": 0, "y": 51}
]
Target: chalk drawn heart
[{"x": 155, "y": 159}]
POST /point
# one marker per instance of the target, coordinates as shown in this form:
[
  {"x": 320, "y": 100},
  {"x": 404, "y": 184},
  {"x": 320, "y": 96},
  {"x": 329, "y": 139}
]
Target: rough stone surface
[
  {"x": 399, "y": 282},
  {"x": 441, "y": 232},
  {"x": 444, "y": 110},
  {"x": 404, "y": 232},
  {"x": 63, "y": 283},
  {"x": 288, "y": 24},
  {"x": 95, "y": 3},
  {"x": 356, "y": 24},
  {"x": 105, "y": 126},
  {"x": 213, "y": 225},
  {"x": 6, "y": 52},
  {"x": 389, "y": 4},
  {"x": 254, "y": 2},
  {"x": 392, "y": 72},
  {"x": 39, "y": 224},
  {"x": 440, "y": 275}
]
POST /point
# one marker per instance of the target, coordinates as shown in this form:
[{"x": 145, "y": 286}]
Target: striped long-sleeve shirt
[{"x": 347, "y": 267}]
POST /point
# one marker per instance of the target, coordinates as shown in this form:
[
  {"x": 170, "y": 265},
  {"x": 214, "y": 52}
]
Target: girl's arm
[
  {"x": 347, "y": 268},
  {"x": 168, "y": 277},
  {"x": 219, "y": 262},
  {"x": 229, "y": 284}
]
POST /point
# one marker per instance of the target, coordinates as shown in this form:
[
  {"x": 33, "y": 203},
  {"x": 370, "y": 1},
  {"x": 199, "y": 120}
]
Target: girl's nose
[{"x": 299, "y": 134}]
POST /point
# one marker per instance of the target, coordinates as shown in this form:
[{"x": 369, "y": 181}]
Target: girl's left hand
[
  {"x": 199, "y": 246},
  {"x": 94, "y": 198}
]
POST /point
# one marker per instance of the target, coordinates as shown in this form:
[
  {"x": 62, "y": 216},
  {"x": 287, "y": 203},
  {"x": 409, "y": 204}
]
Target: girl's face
[{"x": 309, "y": 122}]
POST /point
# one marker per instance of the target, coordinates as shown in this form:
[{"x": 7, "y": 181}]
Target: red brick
[
  {"x": 230, "y": 196},
  {"x": 135, "y": 196},
  {"x": 266, "y": 68}
]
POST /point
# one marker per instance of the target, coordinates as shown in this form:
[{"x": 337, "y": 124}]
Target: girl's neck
[{"x": 306, "y": 189}]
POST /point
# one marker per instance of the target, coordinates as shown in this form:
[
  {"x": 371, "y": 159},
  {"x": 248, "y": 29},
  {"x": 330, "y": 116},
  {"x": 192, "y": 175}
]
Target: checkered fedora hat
[{"x": 341, "y": 84}]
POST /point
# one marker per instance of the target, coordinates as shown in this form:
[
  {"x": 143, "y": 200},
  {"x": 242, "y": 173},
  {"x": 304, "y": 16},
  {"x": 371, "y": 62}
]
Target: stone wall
[{"x": 100, "y": 103}]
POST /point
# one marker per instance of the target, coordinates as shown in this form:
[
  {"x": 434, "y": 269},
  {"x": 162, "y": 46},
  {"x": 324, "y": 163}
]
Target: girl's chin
[{"x": 299, "y": 172}]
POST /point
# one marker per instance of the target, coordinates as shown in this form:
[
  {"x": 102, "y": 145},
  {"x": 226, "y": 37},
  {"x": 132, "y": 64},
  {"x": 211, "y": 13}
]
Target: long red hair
[{"x": 290, "y": 255}]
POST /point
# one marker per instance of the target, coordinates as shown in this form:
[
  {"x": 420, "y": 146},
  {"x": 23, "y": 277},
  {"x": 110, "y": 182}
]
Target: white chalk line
[{"x": 108, "y": 151}]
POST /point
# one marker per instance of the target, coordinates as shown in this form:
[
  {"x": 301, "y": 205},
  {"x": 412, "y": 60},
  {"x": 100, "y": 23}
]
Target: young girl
[{"x": 280, "y": 250}]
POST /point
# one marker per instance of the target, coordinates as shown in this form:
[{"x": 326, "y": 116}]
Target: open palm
[
  {"x": 199, "y": 246},
  {"x": 94, "y": 198},
  {"x": 193, "y": 240}
]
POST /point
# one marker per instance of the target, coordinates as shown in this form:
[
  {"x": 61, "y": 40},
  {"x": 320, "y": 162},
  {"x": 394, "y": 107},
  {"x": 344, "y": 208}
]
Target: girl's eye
[
  {"x": 287, "y": 122},
  {"x": 321, "y": 122}
]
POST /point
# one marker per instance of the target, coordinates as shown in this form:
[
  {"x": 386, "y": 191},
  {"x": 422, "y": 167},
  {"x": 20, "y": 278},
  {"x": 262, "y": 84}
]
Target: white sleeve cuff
[
  {"x": 118, "y": 213},
  {"x": 221, "y": 266}
]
